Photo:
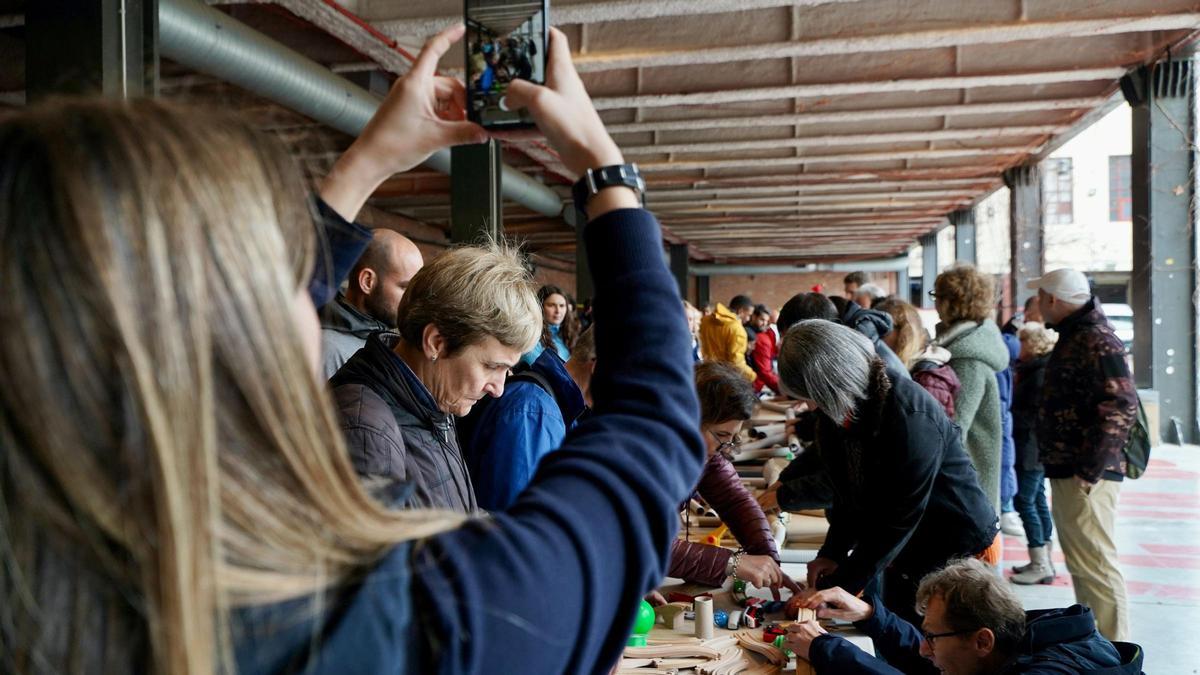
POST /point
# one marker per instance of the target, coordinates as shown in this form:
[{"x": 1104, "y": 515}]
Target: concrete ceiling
[{"x": 770, "y": 131}]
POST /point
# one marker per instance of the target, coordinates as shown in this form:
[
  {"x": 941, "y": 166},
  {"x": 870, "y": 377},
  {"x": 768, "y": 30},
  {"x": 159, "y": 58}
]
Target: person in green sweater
[{"x": 964, "y": 298}]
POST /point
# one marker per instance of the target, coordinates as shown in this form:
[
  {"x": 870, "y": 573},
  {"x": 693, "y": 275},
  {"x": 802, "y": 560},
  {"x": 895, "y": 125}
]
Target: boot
[
  {"x": 1010, "y": 524},
  {"x": 1039, "y": 570},
  {"x": 1017, "y": 569}
]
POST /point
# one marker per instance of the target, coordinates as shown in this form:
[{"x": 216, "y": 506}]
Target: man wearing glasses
[{"x": 973, "y": 625}]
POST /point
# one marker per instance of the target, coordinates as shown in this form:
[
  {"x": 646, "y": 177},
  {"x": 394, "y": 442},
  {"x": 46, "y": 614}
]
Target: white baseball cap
[{"x": 1065, "y": 284}]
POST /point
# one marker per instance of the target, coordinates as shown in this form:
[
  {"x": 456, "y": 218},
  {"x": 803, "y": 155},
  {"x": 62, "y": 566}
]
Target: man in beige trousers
[{"x": 1089, "y": 406}]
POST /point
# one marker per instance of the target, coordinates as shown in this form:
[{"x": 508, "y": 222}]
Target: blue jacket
[
  {"x": 505, "y": 438},
  {"x": 1008, "y": 449},
  {"x": 551, "y": 585},
  {"x": 559, "y": 346},
  {"x": 1056, "y": 642}
]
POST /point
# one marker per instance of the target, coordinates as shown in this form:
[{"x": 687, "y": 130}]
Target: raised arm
[{"x": 552, "y": 585}]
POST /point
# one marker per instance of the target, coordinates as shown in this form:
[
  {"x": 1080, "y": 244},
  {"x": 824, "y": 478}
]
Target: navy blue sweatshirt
[{"x": 551, "y": 585}]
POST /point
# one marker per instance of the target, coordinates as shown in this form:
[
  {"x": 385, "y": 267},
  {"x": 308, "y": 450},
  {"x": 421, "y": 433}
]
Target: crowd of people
[{"x": 449, "y": 470}]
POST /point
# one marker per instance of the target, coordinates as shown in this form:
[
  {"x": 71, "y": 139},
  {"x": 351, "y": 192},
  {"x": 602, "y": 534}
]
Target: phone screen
[{"x": 506, "y": 40}]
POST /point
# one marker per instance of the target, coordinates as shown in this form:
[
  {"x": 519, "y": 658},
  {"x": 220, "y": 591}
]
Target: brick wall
[{"x": 774, "y": 290}]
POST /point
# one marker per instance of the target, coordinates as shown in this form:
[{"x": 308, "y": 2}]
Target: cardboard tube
[{"x": 704, "y": 618}]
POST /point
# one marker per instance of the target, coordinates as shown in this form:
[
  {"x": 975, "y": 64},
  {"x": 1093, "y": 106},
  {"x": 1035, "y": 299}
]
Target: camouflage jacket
[{"x": 1089, "y": 402}]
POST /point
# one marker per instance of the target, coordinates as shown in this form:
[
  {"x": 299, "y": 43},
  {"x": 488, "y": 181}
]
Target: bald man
[{"x": 369, "y": 304}]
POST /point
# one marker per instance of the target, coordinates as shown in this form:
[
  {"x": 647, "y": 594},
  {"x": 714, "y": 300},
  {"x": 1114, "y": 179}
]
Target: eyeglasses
[
  {"x": 726, "y": 447},
  {"x": 933, "y": 294},
  {"x": 930, "y": 637}
]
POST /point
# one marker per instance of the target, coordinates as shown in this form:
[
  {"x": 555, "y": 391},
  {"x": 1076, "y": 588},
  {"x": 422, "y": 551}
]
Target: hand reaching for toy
[
  {"x": 837, "y": 603},
  {"x": 800, "y": 636},
  {"x": 819, "y": 568}
]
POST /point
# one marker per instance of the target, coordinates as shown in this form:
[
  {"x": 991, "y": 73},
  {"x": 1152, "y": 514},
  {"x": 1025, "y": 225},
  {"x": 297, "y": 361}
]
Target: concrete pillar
[
  {"x": 584, "y": 289},
  {"x": 929, "y": 267},
  {"x": 108, "y": 47},
  {"x": 1026, "y": 230},
  {"x": 703, "y": 297},
  {"x": 679, "y": 267},
  {"x": 1163, "y": 285},
  {"x": 476, "y": 211},
  {"x": 963, "y": 221}
]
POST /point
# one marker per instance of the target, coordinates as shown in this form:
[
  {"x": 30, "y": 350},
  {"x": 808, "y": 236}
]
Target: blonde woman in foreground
[{"x": 176, "y": 494}]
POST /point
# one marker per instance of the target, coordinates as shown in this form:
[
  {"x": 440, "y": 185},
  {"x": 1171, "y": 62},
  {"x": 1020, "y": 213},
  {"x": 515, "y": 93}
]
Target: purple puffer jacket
[{"x": 724, "y": 491}]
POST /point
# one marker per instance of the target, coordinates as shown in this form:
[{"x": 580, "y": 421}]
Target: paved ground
[{"x": 1158, "y": 536}]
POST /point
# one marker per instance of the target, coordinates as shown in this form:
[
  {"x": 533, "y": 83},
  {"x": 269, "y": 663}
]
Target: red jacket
[
  {"x": 724, "y": 491},
  {"x": 762, "y": 358}
]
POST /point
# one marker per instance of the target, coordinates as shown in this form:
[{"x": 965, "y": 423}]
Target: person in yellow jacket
[{"x": 723, "y": 337}]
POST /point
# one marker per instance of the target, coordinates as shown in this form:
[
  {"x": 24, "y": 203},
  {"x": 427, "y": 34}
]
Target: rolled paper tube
[
  {"x": 776, "y": 407},
  {"x": 704, "y": 618},
  {"x": 769, "y": 429},
  {"x": 770, "y": 441}
]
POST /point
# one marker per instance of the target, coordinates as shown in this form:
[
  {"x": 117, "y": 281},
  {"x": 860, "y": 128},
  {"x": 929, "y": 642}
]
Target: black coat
[
  {"x": 1027, "y": 397},
  {"x": 905, "y": 493}
]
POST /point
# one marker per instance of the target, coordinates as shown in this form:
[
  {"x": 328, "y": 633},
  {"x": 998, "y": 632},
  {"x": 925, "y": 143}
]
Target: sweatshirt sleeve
[
  {"x": 904, "y": 481},
  {"x": 832, "y": 654},
  {"x": 553, "y": 584},
  {"x": 340, "y": 244}
]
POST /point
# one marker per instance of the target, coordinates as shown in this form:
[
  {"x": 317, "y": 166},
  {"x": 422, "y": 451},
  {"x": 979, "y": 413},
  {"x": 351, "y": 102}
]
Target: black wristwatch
[{"x": 595, "y": 180}]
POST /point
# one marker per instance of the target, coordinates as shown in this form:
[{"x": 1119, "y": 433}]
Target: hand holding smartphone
[{"x": 506, "y": 40}]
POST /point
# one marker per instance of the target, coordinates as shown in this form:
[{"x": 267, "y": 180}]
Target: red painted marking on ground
[
  {"x": 1158, "y": 515},
  {"x": 1174, "y": 499},
  {"x": 1162, "y": 591},
  {"x": 1137, "y": 588},
  {"x": 1172, "y": 549},
  {"x": 1161, "y": 462},
  {"x": 1172, "y": 474}
]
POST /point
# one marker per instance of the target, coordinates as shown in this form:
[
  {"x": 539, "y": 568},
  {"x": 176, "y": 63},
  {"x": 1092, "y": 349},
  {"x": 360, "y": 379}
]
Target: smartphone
[{"x": 506, "y": 40}]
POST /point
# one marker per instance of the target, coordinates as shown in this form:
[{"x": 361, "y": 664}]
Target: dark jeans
[{"x": 1031, "y": 504}]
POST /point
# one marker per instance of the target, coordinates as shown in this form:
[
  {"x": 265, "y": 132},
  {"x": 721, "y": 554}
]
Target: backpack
[{"x": 1137, "y": 447}]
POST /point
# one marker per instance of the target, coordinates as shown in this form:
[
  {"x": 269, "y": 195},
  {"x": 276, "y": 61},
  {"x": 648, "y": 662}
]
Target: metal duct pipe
[
  {"x": 882, "y": 265},
  {"x": 209, "y": 41}
]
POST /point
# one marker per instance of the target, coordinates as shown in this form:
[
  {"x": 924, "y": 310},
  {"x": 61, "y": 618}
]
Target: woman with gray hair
[{"x": 905, "y": 497}]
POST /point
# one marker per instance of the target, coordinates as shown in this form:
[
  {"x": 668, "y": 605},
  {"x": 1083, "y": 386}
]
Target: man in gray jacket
[{"x": 369, "y": 304}]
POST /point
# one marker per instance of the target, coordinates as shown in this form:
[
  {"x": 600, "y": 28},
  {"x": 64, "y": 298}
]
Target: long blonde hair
[{"x": 165, "y": 452}]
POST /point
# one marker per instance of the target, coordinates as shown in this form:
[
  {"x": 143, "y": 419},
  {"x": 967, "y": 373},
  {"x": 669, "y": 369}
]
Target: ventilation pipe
[
  {"x": 209, "y": 41},
  {"x": 878, "y": 265}
]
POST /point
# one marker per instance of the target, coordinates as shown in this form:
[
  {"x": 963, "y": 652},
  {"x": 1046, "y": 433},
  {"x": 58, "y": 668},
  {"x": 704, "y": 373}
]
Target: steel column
[
  {"x": 679, "y": 267},
  {"x": 476, "y": 209},
  {"x": 1026, "y": 230},
  {"x": 964, "y": 235},
  {"x": 108, "y": 47},
  {"x": 929, "y": 267},
  {"x": 1164, "y": 292}
]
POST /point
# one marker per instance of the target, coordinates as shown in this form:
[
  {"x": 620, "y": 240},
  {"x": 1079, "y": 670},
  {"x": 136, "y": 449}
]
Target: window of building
[
  {"x": 1057, "y": 185},
  {"x": 1120, "y": 191}
]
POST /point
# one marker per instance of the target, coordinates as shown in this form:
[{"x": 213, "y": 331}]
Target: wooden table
[{"x": 723, "y": 600}]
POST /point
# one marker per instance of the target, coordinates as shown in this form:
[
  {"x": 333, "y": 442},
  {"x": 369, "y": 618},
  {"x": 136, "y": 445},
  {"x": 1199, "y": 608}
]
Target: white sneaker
[{"x": 1010, "y": 524}]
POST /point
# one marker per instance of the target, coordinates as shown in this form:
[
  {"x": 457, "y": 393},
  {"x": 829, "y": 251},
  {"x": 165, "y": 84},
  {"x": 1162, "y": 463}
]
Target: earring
[{"x": 433, "y": 358}]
